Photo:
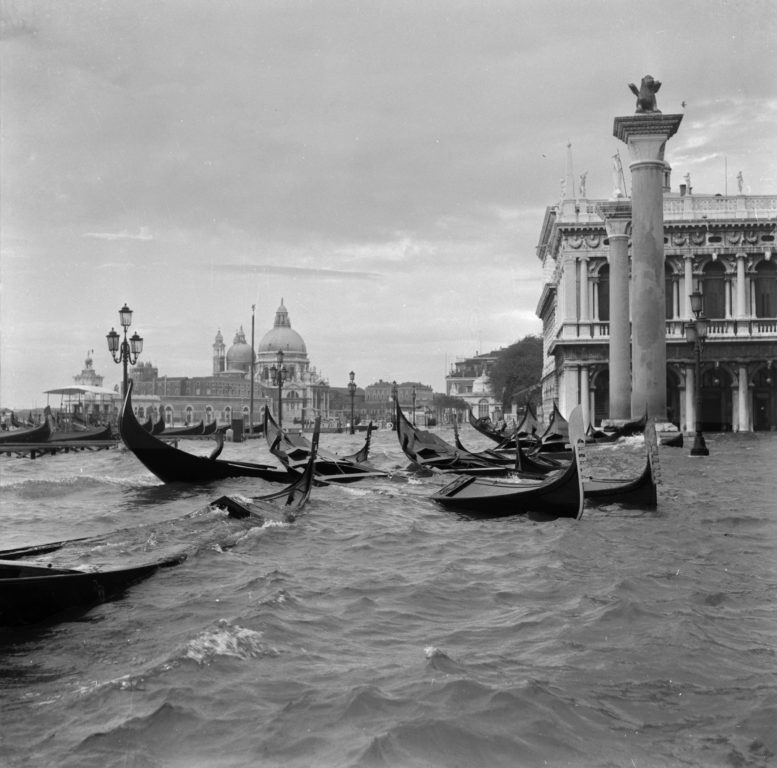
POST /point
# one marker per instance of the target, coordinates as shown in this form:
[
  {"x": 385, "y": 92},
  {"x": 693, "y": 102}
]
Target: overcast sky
[{"x": 384, "y": 167}]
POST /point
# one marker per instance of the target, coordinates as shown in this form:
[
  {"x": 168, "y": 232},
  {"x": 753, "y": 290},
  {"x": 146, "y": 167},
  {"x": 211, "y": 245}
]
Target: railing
[
  {"x": 688, "y": 207},
  {"x": 728, "y": 328}
]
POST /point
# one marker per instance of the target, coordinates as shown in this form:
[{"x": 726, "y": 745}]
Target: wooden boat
[
  {"x": 148, "y": 424},
  {"x": 426, "y": 450},
  {"x": 640, "y": 491},
  {"x": 172, "y": 465},
  {"x": 210, "y": 429},
  {"x": 486, "y": 427},
  {"x": 86, "y": 435},
  {"x": 555, "y": 438},
  {"x": 189, "y": 431},
  {"x": 159, "y": 426},
  {"x": 293, "y": 452},
  {"x": 295, "y": 496},
  {"x": 39, "y": 434},
  {"x": 634, "y": 427},
  {"x": 560, "y": 494},
  {"x": 502, "y": 457},
  {"x": 676, "y": 441},
  {"x": 526, "y": 433},
  {"x": 33, "y": 592}
]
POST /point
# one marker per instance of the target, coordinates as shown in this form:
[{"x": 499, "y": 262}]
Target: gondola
[
  {"x": 558, "y": 495},
  {"x": 295, "y": 496},
  {"x": 640, "y": 491},
  {"x": 173, "y": 465},
  {"x": 39, "y": 434},
  {"x": 676, "y": 441},
  {"x": 293, "y": 452},
  {"x": 33, "y": 592},
  {"x": 485, "y": 427},
  {"x": 91, "y": 434},
  {"x": 427, "y": 450},
  {"x": 188, "y": 431},
  {"x": 633, "y": 427},
  {"x": 526, "y": 433},
  {"x": 210, "y": 429},
  {"x": 555, "y": 438},
  {"x": 159, "y": 427},
  {"x": 503, "y": 457}
]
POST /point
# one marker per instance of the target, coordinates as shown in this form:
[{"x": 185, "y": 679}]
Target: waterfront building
[
  {"x": 720, "y": 245},
  {"x": 225, "y": 394},
  {"x": 469, "y": 380}
]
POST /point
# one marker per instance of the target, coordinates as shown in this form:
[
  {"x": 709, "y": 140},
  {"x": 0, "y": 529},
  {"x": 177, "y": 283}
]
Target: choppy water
[{"x": 380, "y": 630}]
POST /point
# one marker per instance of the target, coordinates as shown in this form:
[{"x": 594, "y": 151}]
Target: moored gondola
[
  {"x": 172, "y": 465},
  {"x": 428, "y": 451},
  {"x": 560, "y": 494},
  {"x": 33, "y": 592},
  {"x": 39, "y": 434},
  {"x": 293, "y": 452}
]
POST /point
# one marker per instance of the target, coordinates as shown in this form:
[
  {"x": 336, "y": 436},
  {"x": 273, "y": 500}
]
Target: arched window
[
  {"x": 604, "y": 293},
  {"x": 714, "y": 290},
  {"x": 483, "y": 409},
  {"x": 766, "y": 289}
]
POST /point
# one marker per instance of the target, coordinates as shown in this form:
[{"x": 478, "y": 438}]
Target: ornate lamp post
[
  {"x": 278, "y": 377},
  {"x": 413, "y": 405},
  {"x": 352, "y": 392},
  {"x": 124, "y": 351},
  {"x": 395, "y": 398},
  {"x": 253, "y": 369},
  {"x": 696, "y": 333}
]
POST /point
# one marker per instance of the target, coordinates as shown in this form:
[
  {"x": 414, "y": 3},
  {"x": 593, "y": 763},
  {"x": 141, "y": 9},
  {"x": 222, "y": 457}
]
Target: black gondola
[
  {"x": 172, "y": 465},
  {"x": 293, "y": 452}
]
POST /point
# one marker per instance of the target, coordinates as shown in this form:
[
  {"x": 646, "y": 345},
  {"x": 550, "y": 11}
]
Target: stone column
[
  {"x": 585, "y": 314},
  {"x": 646, "y": 134},
  {"x": 688, "y": 264},
  {"x": 585, "y": 396},
  {"x": 617, "y": 219},
  {"x": 741, "y": 286},
  {"x": 690, "y": 398},
  {"x": 743, "y": 400}
]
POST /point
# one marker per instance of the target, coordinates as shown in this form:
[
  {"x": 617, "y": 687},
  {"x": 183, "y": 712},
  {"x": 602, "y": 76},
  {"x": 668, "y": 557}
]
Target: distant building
[
  {"x": 720, "y": 245},
  {"x": 469, "y": 379},
  {"x": 226, "y": 393}
]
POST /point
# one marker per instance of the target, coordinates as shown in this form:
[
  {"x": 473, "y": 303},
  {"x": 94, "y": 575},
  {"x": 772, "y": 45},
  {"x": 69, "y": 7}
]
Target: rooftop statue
[{"x": 646, "y": 94}]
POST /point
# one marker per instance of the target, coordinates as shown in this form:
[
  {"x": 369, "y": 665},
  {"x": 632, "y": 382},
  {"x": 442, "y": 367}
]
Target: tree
[{"x": 516, "y": 373}]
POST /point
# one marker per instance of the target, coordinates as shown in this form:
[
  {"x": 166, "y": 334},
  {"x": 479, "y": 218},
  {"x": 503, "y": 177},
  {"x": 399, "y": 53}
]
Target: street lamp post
[
  {"x": 395, "y": 398},
  {"x": 352, "y": 392},
  {"x": 124, "y": 351},
  {"x": 696, "y": 333},
  {"x": 253, "y": 368},
  {"x": 278, "y": 377},
  {"x": 414, "y": 406}
]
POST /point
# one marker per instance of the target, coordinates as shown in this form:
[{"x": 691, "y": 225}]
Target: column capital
[
  {"x": 646, "y": 135},
  {"x": 616, "y": 215}
]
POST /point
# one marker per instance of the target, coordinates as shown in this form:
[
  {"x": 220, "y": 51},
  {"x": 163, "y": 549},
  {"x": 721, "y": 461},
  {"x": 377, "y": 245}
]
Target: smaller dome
[{"x": 240, "y": 355}]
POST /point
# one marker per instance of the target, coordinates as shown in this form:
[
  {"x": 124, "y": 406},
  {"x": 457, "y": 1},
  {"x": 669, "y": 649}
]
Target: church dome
[
  {"x": 281, "y": 336},
  {"x": 240, "y": 355}
]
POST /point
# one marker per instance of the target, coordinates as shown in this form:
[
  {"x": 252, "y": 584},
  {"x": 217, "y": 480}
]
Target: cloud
[
  {"x": 282, "y": 269},
  {"x": 142, "y": 234}
]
